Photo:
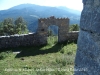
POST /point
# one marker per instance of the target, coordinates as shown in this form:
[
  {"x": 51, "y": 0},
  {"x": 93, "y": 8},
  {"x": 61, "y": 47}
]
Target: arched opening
[
  {"x": 61, "y": 24},
  {"x": 53, "y": 32}
]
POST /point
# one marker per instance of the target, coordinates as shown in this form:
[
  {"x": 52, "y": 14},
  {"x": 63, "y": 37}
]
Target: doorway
[{"x": 53, "y": 32}]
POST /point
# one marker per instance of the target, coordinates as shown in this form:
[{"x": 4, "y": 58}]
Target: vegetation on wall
[{"x": 10, "y": 27}]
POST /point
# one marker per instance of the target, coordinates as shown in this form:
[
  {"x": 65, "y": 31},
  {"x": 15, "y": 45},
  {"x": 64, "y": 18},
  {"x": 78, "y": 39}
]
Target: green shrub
[
  {"x": 58, "y": 60},
  {"x": 63, "y": 62},
  {"x": 4, "y": 55},
  {"x": 52, "y": 40},
  {"x": 62, "y": 51},
  {"x": 74, "y": 27},
  {"x": 70, "y": 61},
  {"x": 69, "y": 53}
]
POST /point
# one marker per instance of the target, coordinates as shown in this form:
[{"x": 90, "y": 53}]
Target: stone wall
[
  {"x": 87, "y": 61},
  {"x": 40, "y": 37},
  {"x": 18, "y": 40},
  {"x": 73, "y": 35},
  {"x": 32, "y": 39}
]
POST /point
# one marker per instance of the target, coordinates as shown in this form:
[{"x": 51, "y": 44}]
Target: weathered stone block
[{"x": 88, "y": 51}]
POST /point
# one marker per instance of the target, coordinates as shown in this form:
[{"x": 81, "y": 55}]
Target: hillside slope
[{"x": 31, "y": 13}]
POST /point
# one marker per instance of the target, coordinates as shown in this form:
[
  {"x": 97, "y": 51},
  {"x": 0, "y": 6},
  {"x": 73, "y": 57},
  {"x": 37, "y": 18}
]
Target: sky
[{"x": 73, "y": 4}]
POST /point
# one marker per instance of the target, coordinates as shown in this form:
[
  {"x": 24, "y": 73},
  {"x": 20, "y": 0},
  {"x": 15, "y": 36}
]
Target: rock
[
  {"x": 22, "y": 59},
  {"x": 87, "y": 61}
]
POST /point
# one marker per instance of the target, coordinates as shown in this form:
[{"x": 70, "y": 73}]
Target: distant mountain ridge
[
  {"x": 70, "y": 10},
  {"x": 31, "y": 13}
]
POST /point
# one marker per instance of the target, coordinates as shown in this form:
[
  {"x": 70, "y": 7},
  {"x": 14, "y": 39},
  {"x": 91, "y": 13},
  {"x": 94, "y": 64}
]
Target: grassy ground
[{"x": 52, "y": 59}]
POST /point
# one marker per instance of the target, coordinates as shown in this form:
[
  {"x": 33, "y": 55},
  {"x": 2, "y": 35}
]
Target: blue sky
[{"x": 73, "y": 4}]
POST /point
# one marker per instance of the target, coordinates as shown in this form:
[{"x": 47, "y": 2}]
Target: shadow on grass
[
  {"x": 36, "y": 50},
  {"x": 33, "y": 51}
]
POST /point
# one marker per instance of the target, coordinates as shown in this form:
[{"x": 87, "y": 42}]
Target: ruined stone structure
[
  {"x": 87, "y": 61},
  {"x": 40, "y": 37},
  {"x": 44, "y": 23}
]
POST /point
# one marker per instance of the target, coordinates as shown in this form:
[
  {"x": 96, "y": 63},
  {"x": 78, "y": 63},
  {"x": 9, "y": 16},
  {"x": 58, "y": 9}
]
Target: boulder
[{"x": 87, "y": 61}]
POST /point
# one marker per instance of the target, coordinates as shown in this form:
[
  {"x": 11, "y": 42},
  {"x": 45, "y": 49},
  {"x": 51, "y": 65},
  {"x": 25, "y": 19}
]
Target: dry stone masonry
[
  {"x": 40, "y": 37},
  {"x": 87, "y": 60},
  {"x": 18, "y": 40}
]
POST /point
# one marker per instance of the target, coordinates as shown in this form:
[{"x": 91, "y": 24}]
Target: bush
[
  {"x": 61, "y": 61},
  {"x": 4, "y": 55},
  {"x": 70, "y": 53},
  {"x": 10, "y": 27},
  {"x": 62, "y": 51},
  {"x": 74, "y": 27}
]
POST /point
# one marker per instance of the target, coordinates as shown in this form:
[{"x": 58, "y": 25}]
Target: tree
[
  {"x": 1, "y": 29},
  {"x": 8, "y": 26},
  {"x": 20, "y": 26},
  {"x": 74, "y": 27}
]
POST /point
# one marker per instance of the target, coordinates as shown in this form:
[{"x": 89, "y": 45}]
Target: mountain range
[{"x": 31, "y": 13}]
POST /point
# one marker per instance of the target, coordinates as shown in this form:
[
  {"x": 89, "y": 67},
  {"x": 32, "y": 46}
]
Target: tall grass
[
  {"x": 52, "y": 59},
  {"x": 52, "y": 40}
]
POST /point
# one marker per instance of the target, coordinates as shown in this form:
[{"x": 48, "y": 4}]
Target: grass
[{"x": 52, "y": 59}]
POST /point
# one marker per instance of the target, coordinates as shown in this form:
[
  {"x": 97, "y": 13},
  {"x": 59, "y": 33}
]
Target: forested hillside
[{"x": 31, "y": 13}]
